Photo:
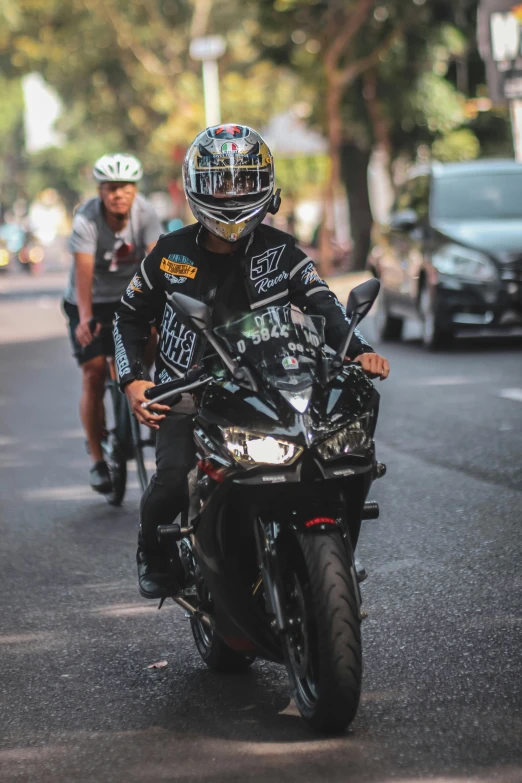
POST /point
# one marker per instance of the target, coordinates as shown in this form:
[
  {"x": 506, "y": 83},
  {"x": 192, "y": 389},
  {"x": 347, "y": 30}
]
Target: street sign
[
  {"x": 208, "y": 47},
  {"x": 500, "y": 46}
]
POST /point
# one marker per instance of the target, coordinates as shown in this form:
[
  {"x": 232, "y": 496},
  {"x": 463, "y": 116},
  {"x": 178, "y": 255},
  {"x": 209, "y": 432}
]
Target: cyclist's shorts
[{"x": 103, "y": 343}]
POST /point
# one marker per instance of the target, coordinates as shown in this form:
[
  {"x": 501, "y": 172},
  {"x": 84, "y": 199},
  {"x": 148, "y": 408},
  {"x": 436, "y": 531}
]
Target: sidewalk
[{"x": 20, "y": 284}]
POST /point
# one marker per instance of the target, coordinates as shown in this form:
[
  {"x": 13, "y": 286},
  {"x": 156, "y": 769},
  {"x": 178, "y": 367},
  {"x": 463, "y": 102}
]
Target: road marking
[
  {"x": 511, "y": 394},
  {"x": 442, "y": 380}
]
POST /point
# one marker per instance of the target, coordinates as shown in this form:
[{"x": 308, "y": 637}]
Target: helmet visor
[{"x": 230, "y": 182}]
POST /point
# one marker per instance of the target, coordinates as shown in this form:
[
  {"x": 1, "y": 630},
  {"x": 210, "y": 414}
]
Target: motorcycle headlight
[
  {"x": 351, "y": 439},
  {"x": 251, "y": 449},
  {"x": 465, "y": 263}
]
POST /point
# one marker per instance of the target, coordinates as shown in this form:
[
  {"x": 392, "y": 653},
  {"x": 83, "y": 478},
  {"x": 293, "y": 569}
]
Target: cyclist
[
  {"x": 232, "y": 260},
  {"x": 111, "y": 233}
]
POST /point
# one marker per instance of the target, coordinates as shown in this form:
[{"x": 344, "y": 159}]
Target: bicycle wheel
[{"x": 117, "y": 442}]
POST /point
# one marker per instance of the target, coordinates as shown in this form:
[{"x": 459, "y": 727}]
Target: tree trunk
[
  {"x": 354, "y": 172},
  {"x": 334, "y": 93}
]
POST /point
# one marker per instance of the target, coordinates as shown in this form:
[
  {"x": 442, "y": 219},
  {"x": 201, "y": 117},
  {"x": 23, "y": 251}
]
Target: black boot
[{"x": 159, "y": 576}]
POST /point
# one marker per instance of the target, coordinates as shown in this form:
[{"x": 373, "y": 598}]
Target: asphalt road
[{"x": 441, "y": 698}]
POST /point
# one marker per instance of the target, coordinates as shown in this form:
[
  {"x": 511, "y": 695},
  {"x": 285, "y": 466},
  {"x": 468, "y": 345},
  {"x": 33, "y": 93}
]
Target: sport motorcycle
[{"x": 284, "y": 435}]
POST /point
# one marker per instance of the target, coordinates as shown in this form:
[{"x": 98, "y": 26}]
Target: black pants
[{"x": 165, "y": 496}]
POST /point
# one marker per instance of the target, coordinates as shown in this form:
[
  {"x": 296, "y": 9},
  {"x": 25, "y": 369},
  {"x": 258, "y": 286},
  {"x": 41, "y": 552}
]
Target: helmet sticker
[
  {"x": 227, "y": 132},
  {"x": 229, "y": 147}
]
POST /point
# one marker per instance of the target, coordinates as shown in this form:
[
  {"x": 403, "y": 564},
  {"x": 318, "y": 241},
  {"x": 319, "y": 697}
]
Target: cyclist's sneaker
[
  {"x": 101, "y": 478},
  {"x": 158, "y": 578}
]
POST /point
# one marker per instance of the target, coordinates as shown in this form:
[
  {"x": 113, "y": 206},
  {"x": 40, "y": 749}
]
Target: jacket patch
[
  {"x": 177, "y": 342},
  {"x": 175, "y": 280},
  {"x": 135, "y": 286},
  {"x": 310, "y": 275},
  {"x": 264, "y": 269},
  {"x": 178, "y": 266}
]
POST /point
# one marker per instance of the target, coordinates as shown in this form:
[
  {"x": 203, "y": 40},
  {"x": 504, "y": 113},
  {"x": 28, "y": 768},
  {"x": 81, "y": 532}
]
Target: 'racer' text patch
[{"x": 180, "y": 270}]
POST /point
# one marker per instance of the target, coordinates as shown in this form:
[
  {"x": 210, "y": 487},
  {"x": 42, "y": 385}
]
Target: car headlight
[
  {"x": 464, "y": 262},
  {"x": 251, "y": 449},
  {"x": 351, "y": 439}
]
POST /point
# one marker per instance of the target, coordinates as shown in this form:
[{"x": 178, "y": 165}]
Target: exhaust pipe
[{"x": 197, "y": 613}]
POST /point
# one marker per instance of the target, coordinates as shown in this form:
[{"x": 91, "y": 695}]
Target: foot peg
[
  {"x": 370, "y": 510},
  {"x": 169, "y": 533}
]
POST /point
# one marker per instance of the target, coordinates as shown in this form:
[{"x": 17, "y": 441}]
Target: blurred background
[
  {"x": 349, "y": 96},
  {"x": 380, "y": 114}
]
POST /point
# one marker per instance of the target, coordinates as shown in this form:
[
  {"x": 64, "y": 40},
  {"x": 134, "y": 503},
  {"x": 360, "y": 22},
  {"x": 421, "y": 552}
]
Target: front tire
[{"x": 323, "y": 648}]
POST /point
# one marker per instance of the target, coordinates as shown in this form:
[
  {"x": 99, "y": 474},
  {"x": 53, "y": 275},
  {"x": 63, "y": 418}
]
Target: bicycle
[{"x": 123, "y": 440}]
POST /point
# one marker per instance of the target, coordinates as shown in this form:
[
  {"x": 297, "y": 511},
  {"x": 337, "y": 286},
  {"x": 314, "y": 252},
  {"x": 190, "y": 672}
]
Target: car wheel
[
  {"x": 388, "y": 327},
  {"x": 435, "y": 336}
]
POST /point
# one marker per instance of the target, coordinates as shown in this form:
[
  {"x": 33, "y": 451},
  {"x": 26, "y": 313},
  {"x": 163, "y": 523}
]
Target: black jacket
[{"x": 275, "y": 271}]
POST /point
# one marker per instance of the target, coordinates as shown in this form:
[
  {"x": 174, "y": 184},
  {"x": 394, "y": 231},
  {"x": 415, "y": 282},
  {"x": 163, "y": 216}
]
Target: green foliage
[
  {"x": 457, "y": 145},
  {"x": 436, "y": 105},
  {"x": 298, "y": 174}
]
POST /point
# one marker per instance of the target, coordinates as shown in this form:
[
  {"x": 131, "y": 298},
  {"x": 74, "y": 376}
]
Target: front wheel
[
  {"x": 323, "y": 646},
  {"x": 116, "y": 443}
]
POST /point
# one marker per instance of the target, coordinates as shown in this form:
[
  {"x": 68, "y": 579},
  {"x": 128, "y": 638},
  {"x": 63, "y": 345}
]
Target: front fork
[{"x": 266, "y": 537}]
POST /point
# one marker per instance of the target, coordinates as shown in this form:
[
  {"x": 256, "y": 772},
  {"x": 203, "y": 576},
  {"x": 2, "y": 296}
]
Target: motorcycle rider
[
  {"x": 228, "y": 259},
  {"x": 111, "y": 234}
]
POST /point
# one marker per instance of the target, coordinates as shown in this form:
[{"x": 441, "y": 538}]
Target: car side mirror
[
  {"x": 197, "y": 312},
  {"x": 362, "y": 298},
  {"x": 405, "y": 220}
]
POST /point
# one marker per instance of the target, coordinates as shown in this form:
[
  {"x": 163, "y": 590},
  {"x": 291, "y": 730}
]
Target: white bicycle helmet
[
  {"x": 119, "y": 167},
  {"x": 228, "y": 175}
]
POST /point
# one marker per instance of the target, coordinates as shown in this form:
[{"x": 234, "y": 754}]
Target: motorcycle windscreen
[{"x": 280, "y": 343}]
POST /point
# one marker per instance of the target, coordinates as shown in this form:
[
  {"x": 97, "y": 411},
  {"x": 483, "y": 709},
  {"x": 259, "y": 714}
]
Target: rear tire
[
  {"x": 323, "y": 647},
  {"x": 389, "y": 327},
  {"x": 215, "y": 653}
]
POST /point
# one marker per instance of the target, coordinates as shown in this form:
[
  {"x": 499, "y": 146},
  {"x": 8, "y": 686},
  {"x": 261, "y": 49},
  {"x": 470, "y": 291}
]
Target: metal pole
[
  {"x": 211, "y": 92},
  {"x": 515, "y": 107}
]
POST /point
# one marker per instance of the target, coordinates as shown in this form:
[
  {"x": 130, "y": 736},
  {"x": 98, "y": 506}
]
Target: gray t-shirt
[{"x": 116, "y": 256}]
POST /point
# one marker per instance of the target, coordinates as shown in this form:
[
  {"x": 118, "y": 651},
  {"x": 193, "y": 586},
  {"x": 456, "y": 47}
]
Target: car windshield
[
  {"x": 486, "y": 196},
  {"x": 279, "y": 342}
]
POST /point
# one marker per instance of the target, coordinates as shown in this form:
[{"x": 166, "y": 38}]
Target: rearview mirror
[
  {"x": 362, "y": 298},
  {"x": 198, "y": 312},
  {"x": 405, "y": 220}
]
